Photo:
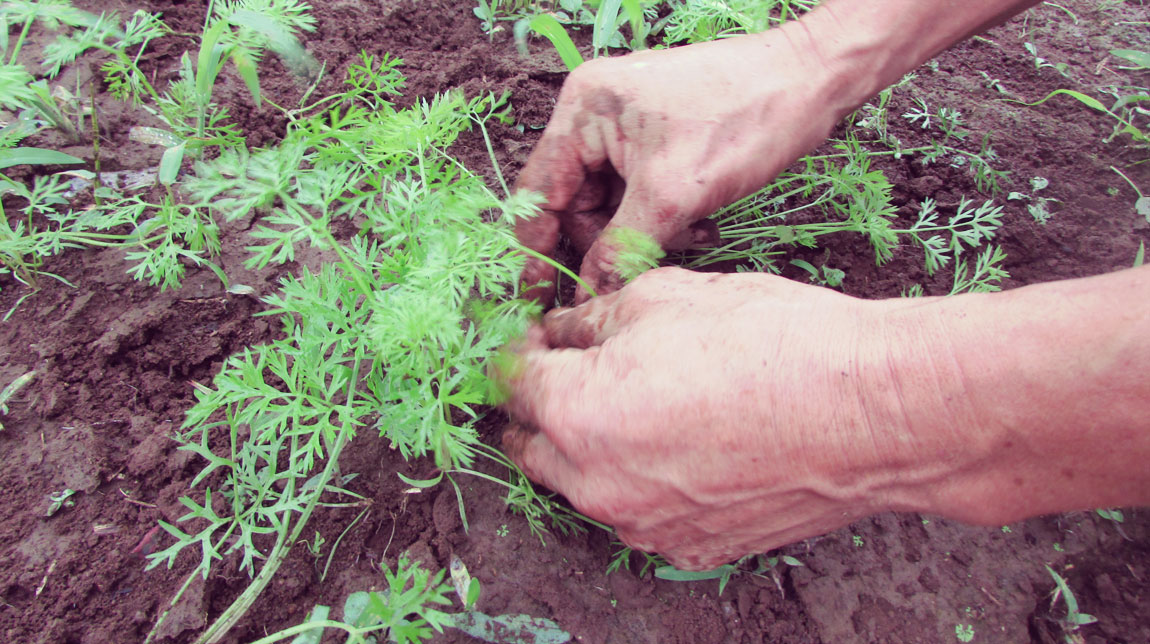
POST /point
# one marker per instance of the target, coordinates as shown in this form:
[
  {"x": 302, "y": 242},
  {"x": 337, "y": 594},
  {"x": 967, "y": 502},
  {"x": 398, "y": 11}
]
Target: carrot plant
[
  {"x": 408, "y": 610},
  {"x": 693, "y": 21},
  {"x": 841, "y": 193},
  {"x": 606, "y": 17},
  {"x": 391, "y": 336},
  {"x": 19, "y": 91},
  {"x": 164, "y": 235}
]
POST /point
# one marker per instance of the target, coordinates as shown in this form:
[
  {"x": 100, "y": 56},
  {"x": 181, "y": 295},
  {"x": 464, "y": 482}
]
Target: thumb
[{"x": 539, "y": 458}]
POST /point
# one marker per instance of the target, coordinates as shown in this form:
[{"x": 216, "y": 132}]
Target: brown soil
[{"x": 115, "y": 362}]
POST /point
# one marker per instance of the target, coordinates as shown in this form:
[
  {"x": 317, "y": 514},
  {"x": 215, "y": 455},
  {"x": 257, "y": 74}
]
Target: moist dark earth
[{"x": 116, "y": 360}]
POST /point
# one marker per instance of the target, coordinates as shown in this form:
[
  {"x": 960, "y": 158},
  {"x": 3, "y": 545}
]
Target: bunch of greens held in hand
[{"x": 388, "y": 337}]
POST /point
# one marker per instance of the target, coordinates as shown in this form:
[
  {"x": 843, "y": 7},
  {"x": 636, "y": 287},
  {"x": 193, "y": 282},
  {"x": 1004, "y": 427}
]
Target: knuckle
[
  {"x": 657, "y": 277},
  {"x": 581, "y": 80}
]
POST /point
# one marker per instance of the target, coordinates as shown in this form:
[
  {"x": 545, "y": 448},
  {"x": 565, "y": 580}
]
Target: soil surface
[{"x": 115, "y": 363}]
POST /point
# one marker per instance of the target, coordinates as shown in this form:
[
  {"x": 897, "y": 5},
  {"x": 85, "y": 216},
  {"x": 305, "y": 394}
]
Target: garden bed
[{"x": 117, "y": 362}]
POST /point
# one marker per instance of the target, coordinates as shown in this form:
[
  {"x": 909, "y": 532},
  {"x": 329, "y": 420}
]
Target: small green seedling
[
  {"x": 467, "y": 588},
  {"x": 1142, "y": 203},
  {"x": 9, "y": 391},
  {"x": 486, "y": 15},
  {"x": 407, "y": 611},
  {"x": 964, "y": 632},
  {"x": 1120, "y": 111},
  {"x": 1138, "y": 59},
  {"x": 1041, "y": 63},
  {"x": 722, "y": 573},
  {"x": 1074, "y": 618},
  {"x": 823, "y": 275},
  {"x": 919, "y": 115},
  {"x": 857, "y": 541},
  {"x": 622, "y": 559},
  {"x": 1037, "y": 206},
  {"x": 993, "y": 83},
  {"x": 607, "y": 20},
  {"x": 547, "y": 26},
  {"x": 1111, "y": 514},
  {"x": 948, "y": 120},
  {"x": 1115, "y": 515},
  {"x": 60, "y": 500},
  {"x": 766, "y": 568},
  {"x": 315, "y": 546}
]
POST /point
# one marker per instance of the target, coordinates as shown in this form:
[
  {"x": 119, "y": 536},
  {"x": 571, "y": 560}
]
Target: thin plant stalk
[{"x": 240, "y": 606}]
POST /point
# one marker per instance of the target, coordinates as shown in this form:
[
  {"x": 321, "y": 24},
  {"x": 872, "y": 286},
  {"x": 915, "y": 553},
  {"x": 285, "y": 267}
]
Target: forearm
[
  {"x": 1038, "y": 402},
  {"x": 866, "y": 46}
]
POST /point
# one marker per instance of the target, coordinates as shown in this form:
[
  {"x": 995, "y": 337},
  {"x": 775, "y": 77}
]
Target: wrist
[
  {"x": 920, "y": 429},
  {"x": 937, "y": 444},
  {"x": 1022, "y": 403},
  {"x": 867, "y": 46}
]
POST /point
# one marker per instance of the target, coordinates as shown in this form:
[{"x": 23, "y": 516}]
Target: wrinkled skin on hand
[
  {"x": 710, "y": 416},
  {"x": 657, "y": 141}
]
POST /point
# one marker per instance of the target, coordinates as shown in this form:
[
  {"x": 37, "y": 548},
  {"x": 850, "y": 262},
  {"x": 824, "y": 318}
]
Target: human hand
[
  {"x": 656, "y": 141},
  {"x": 710, "y": 416}
]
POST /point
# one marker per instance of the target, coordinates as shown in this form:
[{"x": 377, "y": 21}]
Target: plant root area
[{"x": 116, "y": 362}]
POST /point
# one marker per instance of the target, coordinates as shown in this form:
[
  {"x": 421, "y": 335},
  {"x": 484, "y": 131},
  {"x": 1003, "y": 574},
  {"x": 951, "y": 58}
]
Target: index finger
[
  {"x": 554, "y": 171},
  {"x": 542, "y": 384},
  {"x": 539, "y": 458}
]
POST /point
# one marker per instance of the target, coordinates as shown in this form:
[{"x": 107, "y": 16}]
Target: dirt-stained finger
[
  {"x": 554, "y": 171},
  {"x": 636, "y": 212},
  {"x": 584, "y": 326},
  {"x": 539, "y": 458},
  {"x": 592, "y": 207},
  {"x": 701, "y": 234},
  {"x": 544, "y": 385},
  {"x": 540, "y": 234}
]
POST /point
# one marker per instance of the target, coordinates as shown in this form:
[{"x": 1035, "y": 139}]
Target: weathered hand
[
  {"x": 709, "y": 416},
  {"x": 656, "y": 141}
]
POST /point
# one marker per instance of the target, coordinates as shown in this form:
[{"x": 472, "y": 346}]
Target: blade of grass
[
  {"x": 1140, "y": 58},
  {"x": 1095, "y": 104},
  {"x": 170, "y": 163},
  {"x": 672, "y": 573},
  {"x": 605, "y": 21},
  {"x": 635, "y": 16},
  {"x": 1088, "y": 101},
  {"x": 208, "y": 61},
  {"x": 34, "y": 156},
  {"x": 247, "y": 70},
  {"x": 547, "y": 26},
  {"x": 280, "y": 40}
]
